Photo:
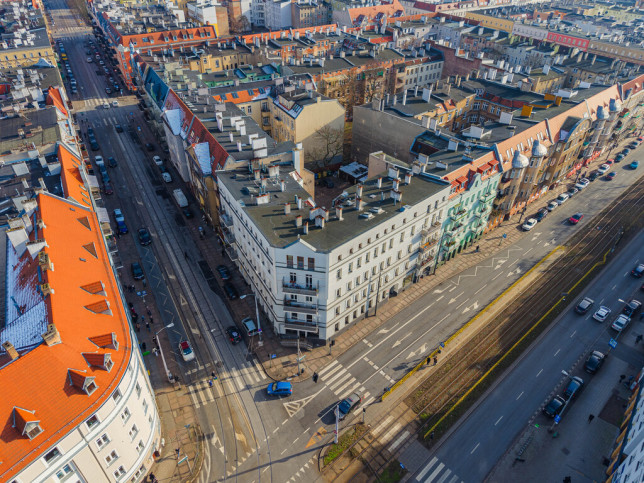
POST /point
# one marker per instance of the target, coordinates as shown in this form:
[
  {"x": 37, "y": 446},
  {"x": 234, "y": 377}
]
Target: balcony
[
  {"x": 297, "y": 289},
  {"x": 458, "y": 213},
  {"x": 226, "y": 220},
  {"x": 229, "y": 237},
  {"x": 456, "y": 227},
  {"x": 431, "y": 243},
  {"x": 291, "y": 306},
  {"x": 487, "y": 197},
  {"x": 430, "y": 229},
  {"x": 294, "y": 324}
]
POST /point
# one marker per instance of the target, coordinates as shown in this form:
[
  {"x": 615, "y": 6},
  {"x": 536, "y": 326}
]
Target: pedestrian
[
  {"x": 431, "y": 435},
  {"x": 133, "y": 288},
  {"x": 214, "y": 376},
  {"x": 151, "y": 321},
  {"x": 147, "y": 326},
  {"x": 135, "y": 317},
  {"x": 638, "y": 338},
  {"x": 147, "y": 309},
  {"x": 435, "y": 360},
  {"x": 591, "y": 417},
  {"x": 477, "y": 248},
  {"x": 138, "y": 327},
  {"x": 210, "y": 382},
  {"x": 142, "y": 318}
]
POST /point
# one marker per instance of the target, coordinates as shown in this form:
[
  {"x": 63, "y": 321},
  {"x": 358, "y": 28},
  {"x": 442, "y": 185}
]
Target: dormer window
[
  {"x": 82, "y": 381},
  {"x": 26, "y": 423}
]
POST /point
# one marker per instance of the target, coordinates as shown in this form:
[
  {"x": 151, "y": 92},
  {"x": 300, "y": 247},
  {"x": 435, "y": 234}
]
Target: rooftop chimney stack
[
  {"x": 10, "y": 350},
  {"x": 298, "y": 221},
  {"x": 287, "y": 209},
  {"x": 359, "y": 204},
  {"x": 305, "y": 228},
  {"x": 379, "y": 182},
  {"x": 407, "y": 178},
  {"x": 396, "y": 184},
  {"x": 359, "y": 191},
  {"x": 325, "y": 214},
  {"x": 338, "y": 212},
  {"x": 282, "y": 185}
]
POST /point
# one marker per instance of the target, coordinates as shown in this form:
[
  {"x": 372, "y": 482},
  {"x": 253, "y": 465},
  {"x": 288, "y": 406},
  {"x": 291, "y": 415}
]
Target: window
[
  {"x": 289, "y": 261},
  {"x": 350, "y": 269},
  {"x": 311, "y": 262},
  {"x": 145, "y": 407},
  {"x": 133, "y": 431},
  {"x": 138, "y": 474},
  {"x": 52, "y": 456},
  {"x": 140, "y": 446},
  {"x": 293, "y": 277},
  {"x": 119, "y": 473},
  {"x": 125, "y": 415},
  {"x": 102, "y": 441},
  {"x": 138, "y": 390},
  {"x": 93, "y": 421},
  {"x": 117, "y": 396},
  {"x": 338, "y": 274},
  {"x": 300, "y": 263},
  {"x": 65, "y": 473}
]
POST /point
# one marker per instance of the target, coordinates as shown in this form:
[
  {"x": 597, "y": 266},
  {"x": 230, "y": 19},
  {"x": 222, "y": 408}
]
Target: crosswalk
[
  {"x": 436, "y": 472},
  {"x": 387, "y": 430},
  {"x": 342, "y": 383},
  {"x": 247, "y": 375}
]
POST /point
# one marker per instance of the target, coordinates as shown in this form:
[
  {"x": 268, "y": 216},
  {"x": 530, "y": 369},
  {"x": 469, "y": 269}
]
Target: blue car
[
  {"x": 634, "y": 164},
  {"x": 279, "y": 389}
]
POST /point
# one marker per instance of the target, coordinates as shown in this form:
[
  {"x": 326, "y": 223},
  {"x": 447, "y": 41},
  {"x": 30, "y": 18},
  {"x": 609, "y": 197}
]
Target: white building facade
[{"x": 277, "y": 14}]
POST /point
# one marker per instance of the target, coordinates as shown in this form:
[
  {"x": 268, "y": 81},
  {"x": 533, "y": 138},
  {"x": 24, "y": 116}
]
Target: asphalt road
[{"x": 473, "y": 449}]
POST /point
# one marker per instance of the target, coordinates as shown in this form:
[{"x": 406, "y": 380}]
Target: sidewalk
[{"x": 284, "y": 364}]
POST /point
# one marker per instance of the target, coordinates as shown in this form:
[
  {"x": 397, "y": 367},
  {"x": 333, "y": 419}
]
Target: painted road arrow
[
  {"x": 420, "y": 350},
  {"x": 501, "y": 262},
  {"x": 451, "y": 301},
  {"x": 474, "y": 306},
  {"x": 517, "y": 271}
]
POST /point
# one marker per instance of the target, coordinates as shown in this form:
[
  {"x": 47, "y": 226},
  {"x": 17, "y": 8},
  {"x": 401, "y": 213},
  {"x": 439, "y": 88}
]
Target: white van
[{"x": 562, "y": 198}]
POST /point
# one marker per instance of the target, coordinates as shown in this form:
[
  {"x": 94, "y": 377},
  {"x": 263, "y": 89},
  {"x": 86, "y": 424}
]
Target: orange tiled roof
[
  {"x": 370, "y": 12},
  {"x": 55, "y": 98},
  {"x": 243, "y": 95},
  {"x": 45, "y": 391},
  {"x": 73, "y": 185}
]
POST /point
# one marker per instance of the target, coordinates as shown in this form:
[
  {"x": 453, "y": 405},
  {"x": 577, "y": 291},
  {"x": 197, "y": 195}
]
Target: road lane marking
[
  {"x": 426, "y": 469},
  {"x": 498, "y": 275},
  {"x": 519, "y": 395},
  {"x": 348, "y": 391},
  {"x": 440, "y": 298},
  {"x": 462, "y": 303},
  {"x": 445, "y": 476},
  {"x": 394, "y": 429},
  {"x": 558, "y": 350},
  {"x": 345, "y": 376},
  {"x": 452, "y": 289},
  {"x": 528, "y": 251},
  {"x": 275, "y": 430},
  {"x": 573, "y": 334},
  {"x": 498, "y": 421},
  {"x": 342, "y": 375},
  {"x": 341, "y": 388},
  {"x": 284, "y": 422},
  {"x": 329, "y": 374},
  {"x": 484, "y": 286},
  {"x": 539, "y": 373},
  {"x": 475, "y": 448}
]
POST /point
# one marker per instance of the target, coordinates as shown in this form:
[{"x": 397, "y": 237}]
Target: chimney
[
  {"x": 10, "y": 350},
  {"x": 396, "y": 184},
  {"x": 299, "y": 202},
  {"x": 239, "y": 146},
  {"x": 359, "y": 191},
  {"x": 287, "y": 209},
  {"x": 305, "y": 228},
  {"x": 338, "y": 212},
  {"x": 263, "y": 183},
  {"x": 416, "y": 91},
  {"x": 407, "y": 178},
  {"x": 319, "y": 221},
  {"x": 51, "y": 337},
  {"x": 379, "y": 183},
  {"x": 282, "y": 185},
  {"x": 325, "y": 213},
  {"x": 359, "y": 204},
  {"x": 405, "y": 97},
  {"x": 230, "y": 135},
  {"x": 298, "y": 221}
]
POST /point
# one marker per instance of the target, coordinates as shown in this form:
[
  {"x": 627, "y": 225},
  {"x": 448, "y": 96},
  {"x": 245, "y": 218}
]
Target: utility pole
[{"x": 298, "y": 354}]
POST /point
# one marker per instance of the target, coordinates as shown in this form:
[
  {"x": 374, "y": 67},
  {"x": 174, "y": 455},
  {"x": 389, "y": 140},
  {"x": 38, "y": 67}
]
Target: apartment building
[
  {"x": 317, "y": 271},
  {"x": 277, "y": 14},
  {"x": 310, "y": 13},
  {"x": 209, "y": 12},
  {"x": 425, "y": 70}
]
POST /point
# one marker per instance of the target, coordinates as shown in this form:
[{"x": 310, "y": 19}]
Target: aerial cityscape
[{"x": 322, "y": 241}]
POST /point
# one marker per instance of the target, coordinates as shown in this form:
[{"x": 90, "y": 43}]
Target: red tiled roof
[
  {"x": 73, "y": 184},
  {"x": 55, "y": 98},
  {"x": 389, "y": 9}
]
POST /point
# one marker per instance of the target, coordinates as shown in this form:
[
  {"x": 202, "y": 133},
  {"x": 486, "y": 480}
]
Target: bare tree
[
  {"x": 328, "y": 145},
  {"x": 240, "y": 24}
]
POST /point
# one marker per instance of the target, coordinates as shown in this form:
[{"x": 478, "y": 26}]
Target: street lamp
[
  {"x": 259, "y": 328},
  {"x": 156, "y": 337}
]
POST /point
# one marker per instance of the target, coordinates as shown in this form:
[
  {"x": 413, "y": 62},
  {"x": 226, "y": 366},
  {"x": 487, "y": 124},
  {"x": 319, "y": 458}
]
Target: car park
[
  {"x": 554, "y": 407},
  {"x": 186, "y": 351},
  {"x": 249, "y": 326},
  {"x": 634, "y": 165},
  {"x": 157, "y": 160},
  {"x": 562, "y": 198},
  {"x": 529, "y": 224},
  {"x": 231, "y": 291},
  {"x": 584, "y": 305},
  {"x": 166, "y": 177},
  {"x": 632, "y": 307},
  {"x": 233, "y": 334},
  {"x": 348, "y": 404},
  {"x": 594, "y": 362},
  {"x": 280, "y": 388},
  {"x": 552, "y": 205},
  {"x": 144, "y": 236},
  {"x": 620, "y": 322},
  {"x": 224, "y": 273},
  {"x": 602, "y": 313},
  {"x": 611, "y": 176},
  {"x": 573, "y": 388},
  {"x": 603, "y": 168},
  {"x": 638, "y": 271},
  {"x": 541, "y": 214},
  {"x": 137, "y": 271},
  {"x": 576, "y": 218}
]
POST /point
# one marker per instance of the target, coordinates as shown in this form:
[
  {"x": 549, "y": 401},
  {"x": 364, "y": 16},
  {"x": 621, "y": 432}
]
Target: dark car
[
  {"x": 554, "y": 407},
  {"x": 118, "y": 128},
  {"x": 187, "y": 212},
  {"x": 575, "y": 385},
  {"x": 107, "y": 189},
  {"x": 144, "y": 236},
  {"x": 632, "y": 307},
  {"x": 626, "y": 151},
  {"x": 94, "y": 145},
  {"x": 224, "y": 273},
  {"x": 280, "y": 388},
  {"x": 137, "y": 271},
  {"x": 584, "y": 305},
  {"x": 348, "y": 404},
  {"x": 638, "y": 271},
  {"x": 611, "y": 176},
  {"x": 541, "y": 214},
  {"x": 594, "y": 362},
  {"x": 149, "y": 146},
  {"x": 111, "y": 162},
  {"x": 231, "y": 291},
  {"x": 576, "y": 218},
  {"x": 593, "y": 176},
  {"x": 233, "y": 334}
]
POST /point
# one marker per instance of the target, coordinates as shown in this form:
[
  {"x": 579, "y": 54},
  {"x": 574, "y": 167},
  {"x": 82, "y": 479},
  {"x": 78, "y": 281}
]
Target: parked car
[
  {"x": 603, "y": 168},
  {"x": 529, "y": 224},
  {"x": 611, "y": 176},
  {"x": 620, "y": 322},
  {"x": 157, "y": 160},
  {"x": 120, "y": 221},
  {"x": 224, "y": 273},
  {"x": 111, "y": 162},
  {"x": 94, "y": 145},
  {"x": 281, "y": 388},
  {"x": 638, "y": 271},
  {"x": 250, "y": 327},
  {"x": 583, "y": 182},
  {"x": 231, "y": 291},
  {"x": 554, "y": 407},
  {"x": 166, "y": 177},
  {"x": 576, "y": 218},
  {"x": 632, "y": 307},
  {"x": 584, "y": 305},
  {"x": 574, "y": 387},
  {"x": 106, "y": 105},
  {"x": 634, "y": 165},
  {"x": 149, "y": 146},
  {"x": 593, "y": 176},
  {"x": 348, "y": 404},
  {"x": 541, "y": 214},
  {"x": 626, "y": 151},
  {"x": 115, "y": 103},
  {"x": 562, "y": 198},
  {"x": 233, "y": 334},
  {"x": 107, "y": 189},
  {"x": 144, "y": 236},
  {"x": 552, "y": 205},
  {"x": 186, "y": 351},
  {"x": 137, "y": 271},
  {"x": 594, "y": 362},
  {"x": 572, "y": 192},
  {"x": 602, "y": 313}
]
